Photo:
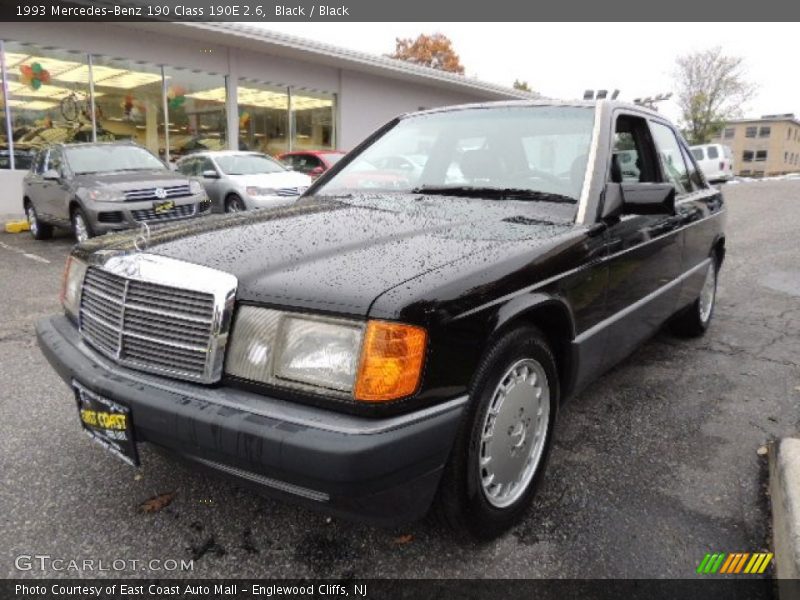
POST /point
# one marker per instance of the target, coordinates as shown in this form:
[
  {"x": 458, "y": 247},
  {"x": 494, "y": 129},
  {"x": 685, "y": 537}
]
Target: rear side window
[
  {"x": 187, "y": 166},
  {"x": 713, "y": 152},
  {"x": 695, "y": 177},
  {"x": 698, "y": 153},
  {"x": 672, "y": 163}
]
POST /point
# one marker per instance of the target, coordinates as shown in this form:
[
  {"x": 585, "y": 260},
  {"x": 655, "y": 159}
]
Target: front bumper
[
  {"x": 117, "y": 216},
  {"x": 383, "y": 471}
]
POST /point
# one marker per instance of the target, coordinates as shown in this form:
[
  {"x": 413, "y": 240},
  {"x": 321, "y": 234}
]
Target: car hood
[
  {"x": 131, "y": 180},
  {"x": 339, "y": 257},
  {"x": 273, "y": 180}
]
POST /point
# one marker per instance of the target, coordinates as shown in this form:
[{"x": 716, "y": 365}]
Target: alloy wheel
[{"x": 514, "y": 433}]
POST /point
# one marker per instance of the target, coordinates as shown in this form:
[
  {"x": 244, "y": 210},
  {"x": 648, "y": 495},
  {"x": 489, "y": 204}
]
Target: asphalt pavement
[{"x": 656, "y": 464}]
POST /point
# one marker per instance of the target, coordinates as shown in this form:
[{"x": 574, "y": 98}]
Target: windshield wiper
[{"x": 493, "y": 193}]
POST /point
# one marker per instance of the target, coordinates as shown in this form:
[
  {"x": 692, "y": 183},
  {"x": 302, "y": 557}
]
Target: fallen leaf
[
  {"x": 403, "y": 539},
  {"x": 157, "y": 503},
  {"x": 137, "y": 477},
  {"x": 762, "y": 450}
]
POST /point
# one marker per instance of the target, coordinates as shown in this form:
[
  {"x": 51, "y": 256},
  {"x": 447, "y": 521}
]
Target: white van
[{"x": 715, "y": 160}]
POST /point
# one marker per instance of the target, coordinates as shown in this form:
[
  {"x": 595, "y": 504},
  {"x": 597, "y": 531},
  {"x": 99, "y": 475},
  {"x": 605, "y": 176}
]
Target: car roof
[
  {"x": 610, "y": 104},
  {"x": 314, "y": 152},
  {"x": 213, "y": 153},
  {"x": 85, "y": 144}
]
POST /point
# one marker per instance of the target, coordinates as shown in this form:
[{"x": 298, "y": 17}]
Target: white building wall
[{"x": 367, "y": 101}]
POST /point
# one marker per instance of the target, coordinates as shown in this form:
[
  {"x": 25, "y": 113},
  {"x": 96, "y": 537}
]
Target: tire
[
  {"x": 465, "y": 501},
  {"x": 40, "y": 231},
  {"x": 234, "y": 203},
  {"x": 81, "y": 229},
  {"x": 694, "y": 320}
]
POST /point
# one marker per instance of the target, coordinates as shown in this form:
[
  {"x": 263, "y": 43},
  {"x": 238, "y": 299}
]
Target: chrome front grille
[
  {"x": 177, "y": 212},
  {"x": 156, "y": 325},
  {"x": 169, "y": 191}
]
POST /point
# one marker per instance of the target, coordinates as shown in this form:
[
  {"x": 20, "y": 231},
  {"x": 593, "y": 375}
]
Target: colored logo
[{"x": 734, "y": 563}]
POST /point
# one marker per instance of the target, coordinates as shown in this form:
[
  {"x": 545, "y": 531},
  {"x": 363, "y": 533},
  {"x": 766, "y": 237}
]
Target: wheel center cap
[{"x": 517, "y": 435}]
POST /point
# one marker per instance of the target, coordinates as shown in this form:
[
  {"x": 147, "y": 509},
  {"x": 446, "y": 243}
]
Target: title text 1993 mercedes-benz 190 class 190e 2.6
[{"x": 402, "y": 338}]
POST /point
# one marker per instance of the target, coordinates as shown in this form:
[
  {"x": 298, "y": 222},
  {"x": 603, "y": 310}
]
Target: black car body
[
  {"x": 97, "y": 198},
  {"x": 574, "y": 280}
]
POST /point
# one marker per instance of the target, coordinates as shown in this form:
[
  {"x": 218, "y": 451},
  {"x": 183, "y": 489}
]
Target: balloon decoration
[
  {"x": 34, "y": 75},
  {"x": 176, "y": 96},
  {"x": 244, "y": 120},
  {"x": 127, "y": 106},
  {"x": 132, "y": 110}
]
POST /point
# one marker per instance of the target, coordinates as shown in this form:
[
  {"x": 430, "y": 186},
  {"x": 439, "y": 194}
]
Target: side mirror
[
  {"x": 210, "y": 174},
  {"x": 51, "y": 174},
  {"x": 638, "y": 199}
]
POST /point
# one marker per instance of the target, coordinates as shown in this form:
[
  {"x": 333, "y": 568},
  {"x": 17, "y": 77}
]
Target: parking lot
[{"x": 656, "y": 464}]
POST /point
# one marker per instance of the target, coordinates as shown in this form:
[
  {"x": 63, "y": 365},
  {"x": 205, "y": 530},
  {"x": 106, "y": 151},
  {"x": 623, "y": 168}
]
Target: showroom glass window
[
  {"x": 263, "y": 117},
  {"x": 128, "y": 102},
  {"x": 196, "y": 108},
  {"x": 312, "y": 118},
  {"x": 48, "y": 99}
]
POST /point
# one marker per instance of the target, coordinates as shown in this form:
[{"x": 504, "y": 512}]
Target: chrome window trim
[{"x": 177, "y": 274}]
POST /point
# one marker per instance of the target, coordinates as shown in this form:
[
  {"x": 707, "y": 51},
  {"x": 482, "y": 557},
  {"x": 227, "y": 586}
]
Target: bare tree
[{"x": 711, "y": 89}]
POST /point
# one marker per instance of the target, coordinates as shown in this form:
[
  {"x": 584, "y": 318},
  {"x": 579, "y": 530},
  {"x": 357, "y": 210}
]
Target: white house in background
[{"x": 220, "y": 85}]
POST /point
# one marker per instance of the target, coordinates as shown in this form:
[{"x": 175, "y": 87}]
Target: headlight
[
  {"x": 373, "y": 361},
  {"x": 195, "y": 187},
  {"x": 105, "y": 195},
  {"x": 260, "y": 191},
  {"x": 71, "y": 284}
]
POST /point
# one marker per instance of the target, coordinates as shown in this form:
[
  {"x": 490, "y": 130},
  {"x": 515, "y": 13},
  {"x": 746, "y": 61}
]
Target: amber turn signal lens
[{"x": 391, "y": 361}]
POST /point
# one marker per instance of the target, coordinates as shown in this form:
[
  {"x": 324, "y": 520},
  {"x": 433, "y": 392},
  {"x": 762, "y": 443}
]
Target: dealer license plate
[
  {"x": 162, "y": 207},
  {"x": 107, "y": 422}
]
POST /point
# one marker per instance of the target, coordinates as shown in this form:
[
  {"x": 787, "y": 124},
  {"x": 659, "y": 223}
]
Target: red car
[{"x": 311, "y": 162}]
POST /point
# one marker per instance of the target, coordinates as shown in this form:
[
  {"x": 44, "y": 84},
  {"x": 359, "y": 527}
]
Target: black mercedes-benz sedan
[{"x": 400, "y": 337}]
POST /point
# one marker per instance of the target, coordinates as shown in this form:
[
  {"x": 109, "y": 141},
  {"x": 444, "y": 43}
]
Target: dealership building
[{"x": 181, "y": 87}]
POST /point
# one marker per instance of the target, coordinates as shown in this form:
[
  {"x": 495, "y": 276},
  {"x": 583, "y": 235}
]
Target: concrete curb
[{"x": 784, "y": 489}]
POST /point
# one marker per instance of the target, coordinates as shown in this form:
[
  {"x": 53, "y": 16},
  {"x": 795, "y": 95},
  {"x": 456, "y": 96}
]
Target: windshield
[
  {"x": 518, "y": 152},
  {"x": 248, "y": 164},
  {"x": 106, "y": 159}
]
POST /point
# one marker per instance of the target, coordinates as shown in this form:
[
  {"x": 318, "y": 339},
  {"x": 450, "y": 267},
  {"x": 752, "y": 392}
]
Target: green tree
[
  {"x": 711, "y": 89},
  {"x": 435, "y": 51},
  {"x": 522, "y": 85}
]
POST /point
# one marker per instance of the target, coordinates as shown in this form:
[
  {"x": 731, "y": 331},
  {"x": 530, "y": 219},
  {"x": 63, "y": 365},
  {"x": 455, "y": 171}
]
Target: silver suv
[{"x": 101, "y": 187}]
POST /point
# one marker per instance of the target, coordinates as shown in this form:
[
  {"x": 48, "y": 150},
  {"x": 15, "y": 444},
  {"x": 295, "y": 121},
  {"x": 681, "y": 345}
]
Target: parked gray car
[
  {"x": 101, "y": 187},
  {"x": 237, "y": 181}
]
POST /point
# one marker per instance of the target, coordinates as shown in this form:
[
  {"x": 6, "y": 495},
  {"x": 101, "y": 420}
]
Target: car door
[
  {"x": 56, "y": 192},
  {"x": 644, "y": 251},
  {"x": 214, "y": 186},
  {"x": 35, "y": 188},
  {"x": 700, "y": 213},
  {"x": 59, "y": 193}
]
